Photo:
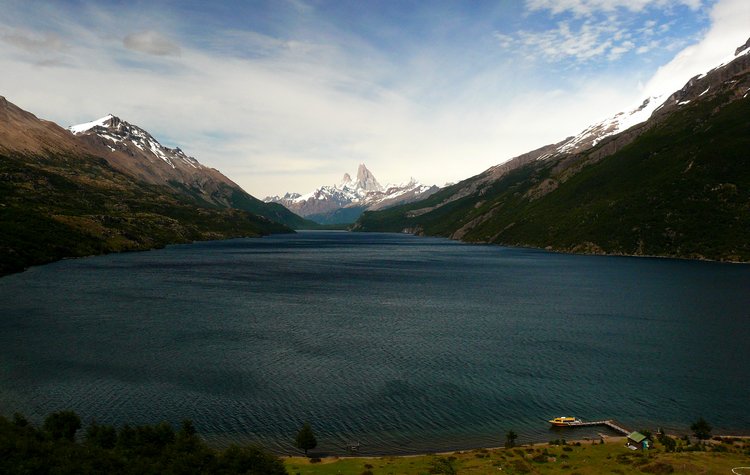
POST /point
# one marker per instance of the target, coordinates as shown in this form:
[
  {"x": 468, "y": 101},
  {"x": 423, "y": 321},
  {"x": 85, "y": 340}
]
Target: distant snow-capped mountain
[{"x": 345, "y": 201}]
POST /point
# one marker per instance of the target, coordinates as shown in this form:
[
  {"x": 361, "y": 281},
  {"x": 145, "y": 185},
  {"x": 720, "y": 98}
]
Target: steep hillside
[
  {"x": 135, "y": 152},
  {"x": 676, "y": 185},
  {"x": 58, "y": 199}
]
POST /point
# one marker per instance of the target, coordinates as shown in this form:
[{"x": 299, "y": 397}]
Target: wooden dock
[{"x": 608, "y": 423}]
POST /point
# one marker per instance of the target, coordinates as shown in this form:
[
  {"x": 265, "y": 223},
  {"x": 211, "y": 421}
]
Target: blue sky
[{"x": 286, "y": 95}]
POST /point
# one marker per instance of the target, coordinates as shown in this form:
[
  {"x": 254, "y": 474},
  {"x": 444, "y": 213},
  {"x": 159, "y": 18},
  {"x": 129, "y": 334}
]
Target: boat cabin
[{"x": 564, "y": 421}]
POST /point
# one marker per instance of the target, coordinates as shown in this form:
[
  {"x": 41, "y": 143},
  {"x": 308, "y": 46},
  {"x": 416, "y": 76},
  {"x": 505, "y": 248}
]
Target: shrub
[
  {"x": 519, "y": 466},
  {"x": 443, "y": 465},
  {"x": 668, "y": 443},
  {"x": 658, "y": 468}
]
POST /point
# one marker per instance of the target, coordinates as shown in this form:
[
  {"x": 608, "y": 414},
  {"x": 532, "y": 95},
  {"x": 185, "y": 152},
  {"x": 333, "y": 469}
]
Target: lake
[{"x": 402, "y": 343}]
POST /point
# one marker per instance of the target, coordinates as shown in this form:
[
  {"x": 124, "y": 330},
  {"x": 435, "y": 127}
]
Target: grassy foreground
[{"x": 611, "y": 457}]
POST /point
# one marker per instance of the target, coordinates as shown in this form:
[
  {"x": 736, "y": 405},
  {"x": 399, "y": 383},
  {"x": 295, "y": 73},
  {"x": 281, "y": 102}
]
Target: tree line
[{"x": 58, "y": 447}]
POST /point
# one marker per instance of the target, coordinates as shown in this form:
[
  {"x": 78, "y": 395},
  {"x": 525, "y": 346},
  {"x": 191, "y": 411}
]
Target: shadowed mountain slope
[
  {"x": 677, "y": 184},
  {"x": 59, "y": 198}
]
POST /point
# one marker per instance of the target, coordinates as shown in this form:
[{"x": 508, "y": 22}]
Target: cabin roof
[{"x": 637, "y": 437}]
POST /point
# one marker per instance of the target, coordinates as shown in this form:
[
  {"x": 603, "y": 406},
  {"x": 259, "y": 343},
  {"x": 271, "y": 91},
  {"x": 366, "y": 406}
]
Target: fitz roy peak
[
  {"x": 344, "y": 202},
  {"x": 135, "y": 152},
  {"x": 365, "y": 180}
]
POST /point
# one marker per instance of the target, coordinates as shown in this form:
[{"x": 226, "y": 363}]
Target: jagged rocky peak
[
  {"x": 366, "y": 180},
  {"x": 742, "y": 48},
  {"x": 351, "y": 196},
  {"x": 120, "y": 135}
]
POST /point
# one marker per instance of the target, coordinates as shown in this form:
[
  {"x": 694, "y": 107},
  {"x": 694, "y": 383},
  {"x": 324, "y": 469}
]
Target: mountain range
[
  {"x": 344, "y": 202},
  {"x": 110, "y": 186},
  {"x": 669, "y": 178}
]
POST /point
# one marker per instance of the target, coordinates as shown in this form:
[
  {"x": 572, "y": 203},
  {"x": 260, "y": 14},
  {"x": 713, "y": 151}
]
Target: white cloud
[
  {"x": 583, "y": 43},
  {"x": 617, "y": 51},
  {"x": 151, "y": 42},
  {"x": 32, "y": 42},
  {"x": 590, "y": 7},
  {"x": 597, "y": 30},
  {"x": 730, "y": 28}
]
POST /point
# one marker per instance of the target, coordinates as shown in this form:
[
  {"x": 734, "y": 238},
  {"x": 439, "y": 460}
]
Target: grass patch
[{"x": 611, "y": 457}]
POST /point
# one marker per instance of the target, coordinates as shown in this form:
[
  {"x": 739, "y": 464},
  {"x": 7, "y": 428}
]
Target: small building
[{"x": 638, "y": 441}]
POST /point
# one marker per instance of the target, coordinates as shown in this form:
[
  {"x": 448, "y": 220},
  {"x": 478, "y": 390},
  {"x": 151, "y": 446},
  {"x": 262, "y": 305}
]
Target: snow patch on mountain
[
  {"x": 122, "y": 134},
  {"x": 621, "y": 121},
  {"x": 365, "y": 192},
  {"x": 80, "y": 128}
]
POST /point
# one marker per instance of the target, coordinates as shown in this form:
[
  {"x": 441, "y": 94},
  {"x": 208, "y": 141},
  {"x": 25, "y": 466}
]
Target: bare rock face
[
  {"x": 135, "y": 152},
  {"x": 132, "y": 150},
  {"x": 742, "y": 48},
  {"x": 366, "y": 180}
]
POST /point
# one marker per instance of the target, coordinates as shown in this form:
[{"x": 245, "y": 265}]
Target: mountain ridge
[
  {"x": 135, "y": 152},
  {"x": 60, "y": 198},
  {"x": 674, "y": 185},
  {"x": 342, "y": 203}
]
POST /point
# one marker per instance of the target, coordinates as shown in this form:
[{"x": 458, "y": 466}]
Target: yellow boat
[{"x": 564, "y": 421}]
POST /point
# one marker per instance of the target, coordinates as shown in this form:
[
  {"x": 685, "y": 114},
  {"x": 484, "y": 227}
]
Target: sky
[{"x": 288, "y": 95}]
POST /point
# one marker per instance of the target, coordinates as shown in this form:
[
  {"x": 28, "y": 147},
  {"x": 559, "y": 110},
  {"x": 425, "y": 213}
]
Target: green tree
[
  {"x": 20, "y": 420},
  {"x": 305, "y": 439},
  {"x": 701, "y": 429},
  {"x": 669, "y": 443},
  {"x": 62, "y": 425},
  {"x": 104, "y": 437},
  {"x": 510, "y": 439},
  {"x": 250, "y": 461},
  {"x": 187, "y": 437}
]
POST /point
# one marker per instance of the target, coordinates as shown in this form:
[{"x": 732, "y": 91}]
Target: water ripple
[{"x": 403, "y": 344}]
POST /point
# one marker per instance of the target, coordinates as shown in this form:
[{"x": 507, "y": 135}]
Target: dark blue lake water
[{"x": 405, "y": 344}]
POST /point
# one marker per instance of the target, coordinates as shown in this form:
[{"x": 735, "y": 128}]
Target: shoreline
[
  {"x": 326, "y": 458},
  {"x": 607, "y": 439}
]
